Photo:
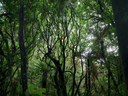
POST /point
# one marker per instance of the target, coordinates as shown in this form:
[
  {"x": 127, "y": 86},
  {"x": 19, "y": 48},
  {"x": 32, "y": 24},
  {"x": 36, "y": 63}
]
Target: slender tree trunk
[
  {"x": 107, "y": 65},
  {"x": 109, "y": 91},
  {"x": 22, "y": 51},
  {"x": 86, "y": 80},
  {"x": 74, "y": 73},
  {"x": 89, "y": 82},
  {"x": 120, "y": 10},
  {"x": 44, "y": 80}
]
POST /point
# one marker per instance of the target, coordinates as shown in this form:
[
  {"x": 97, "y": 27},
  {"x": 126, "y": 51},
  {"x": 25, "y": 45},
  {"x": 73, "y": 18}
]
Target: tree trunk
[
  {"x": 61, "y": 74},
  {"x": 22, "y": 51},
  {"x": 74, "y": 73},
  {"x": 89, "y": 82},
  {"x": 120, "y": 10},
  {"x": 44, "y": 80},
  {"x": 109, "y": 74}
]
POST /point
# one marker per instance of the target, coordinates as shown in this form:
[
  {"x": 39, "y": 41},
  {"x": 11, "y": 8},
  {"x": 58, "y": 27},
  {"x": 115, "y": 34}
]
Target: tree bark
[
  {"x": 120, "y": 10},
  {"x": 44, "y": 79},
  {"x": 61, "y": 74},
  {"x": 109, "y": 74},
  {"x": 74, "y": 73},
  {"x": 88, "y": 78},
  {"x": 22, "y": 51}
]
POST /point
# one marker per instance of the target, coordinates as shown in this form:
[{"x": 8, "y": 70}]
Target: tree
[
  {"x": 120, "y": 9},
  {"x": 22, "y": 51}
]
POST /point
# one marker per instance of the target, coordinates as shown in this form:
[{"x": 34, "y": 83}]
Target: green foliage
[
  {"x": 32, "y": 90},
  {"x": 121, "y": 88},
  {"x": 19, "y": 89},
  {"x": 61, "y": 29}
]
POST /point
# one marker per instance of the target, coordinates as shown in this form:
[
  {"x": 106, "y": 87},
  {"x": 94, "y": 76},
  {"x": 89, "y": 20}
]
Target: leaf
[
  {"x": 30, "y": 88},
  {"x": 34, "y": 92},
  {"x": 41, "y": 90}
]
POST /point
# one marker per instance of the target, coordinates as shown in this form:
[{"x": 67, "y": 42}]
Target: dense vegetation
[{"x": 63, "y": 48}]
